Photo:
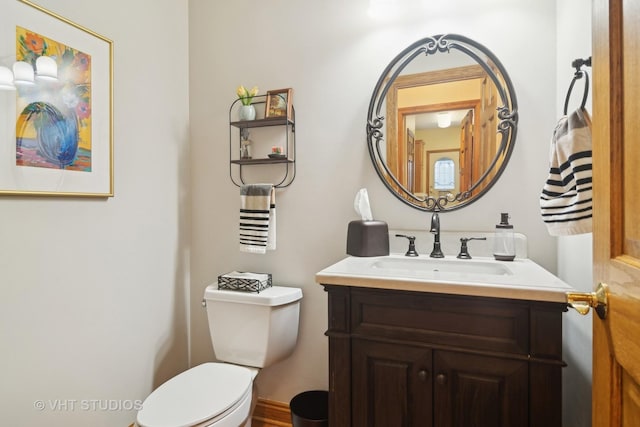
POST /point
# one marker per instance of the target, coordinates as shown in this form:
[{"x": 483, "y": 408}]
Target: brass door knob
[
  {"x": 441, "y": 379},
  {"x": 583, "y": 301},
  {"x": 423, "y": 375}
]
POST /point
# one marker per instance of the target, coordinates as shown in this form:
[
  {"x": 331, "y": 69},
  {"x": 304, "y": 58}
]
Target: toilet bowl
[
  {"x": 211, "y": 394},
  {"x": 249, "y": 331}
]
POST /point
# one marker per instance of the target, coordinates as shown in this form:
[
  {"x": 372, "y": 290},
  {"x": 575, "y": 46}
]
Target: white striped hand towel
[
  {"x": 257, "y": 218},
  {"x": 566, "y": 199}
]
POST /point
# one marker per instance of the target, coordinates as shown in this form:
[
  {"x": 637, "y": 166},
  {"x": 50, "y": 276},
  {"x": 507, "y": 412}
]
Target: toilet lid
[{"x": 195, "y": 395}]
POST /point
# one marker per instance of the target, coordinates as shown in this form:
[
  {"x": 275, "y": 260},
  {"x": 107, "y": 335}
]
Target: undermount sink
[
  {"x": 480, "y": 276},
  {"x": 411, "y": 266}
]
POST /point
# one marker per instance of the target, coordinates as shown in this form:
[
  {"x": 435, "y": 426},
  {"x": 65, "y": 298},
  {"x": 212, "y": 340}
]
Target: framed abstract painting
[{"x": 56, "y": 105}]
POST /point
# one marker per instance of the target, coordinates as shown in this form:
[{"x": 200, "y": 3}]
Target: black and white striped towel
[
  {"x": 566, "y": 199},
  {"x": 257, "y": 218}
]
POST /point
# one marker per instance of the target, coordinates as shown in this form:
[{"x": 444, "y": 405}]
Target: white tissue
[
  {"x": 362, "y": 206},
  {"x": 247, "y": 275}
]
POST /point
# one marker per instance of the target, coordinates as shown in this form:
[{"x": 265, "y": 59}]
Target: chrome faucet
[{"x": 435, "y": 230}]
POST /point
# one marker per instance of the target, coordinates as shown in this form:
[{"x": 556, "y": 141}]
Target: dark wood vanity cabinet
[{"x": 399, "y": 358}]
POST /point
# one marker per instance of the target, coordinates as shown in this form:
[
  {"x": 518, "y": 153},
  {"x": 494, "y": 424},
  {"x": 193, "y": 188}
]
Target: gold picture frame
[
  {"x": 56, "y": 135},
  {"x": 278, "y": 103}
]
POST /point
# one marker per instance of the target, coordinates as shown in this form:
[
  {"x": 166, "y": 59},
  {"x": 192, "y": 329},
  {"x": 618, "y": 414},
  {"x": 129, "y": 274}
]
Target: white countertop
[{"x": 481, "y": 276}]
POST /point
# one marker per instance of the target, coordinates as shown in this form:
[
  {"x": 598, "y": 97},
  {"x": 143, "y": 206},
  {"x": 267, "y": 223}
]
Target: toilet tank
[{"x": 253, "y": 329}]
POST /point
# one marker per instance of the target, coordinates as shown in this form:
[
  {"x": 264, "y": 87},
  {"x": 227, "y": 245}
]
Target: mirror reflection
[{"x": 442, "y": 123}]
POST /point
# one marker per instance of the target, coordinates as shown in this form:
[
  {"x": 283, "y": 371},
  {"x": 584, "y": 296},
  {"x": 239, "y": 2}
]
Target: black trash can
[{"x": 310, "y": 409}]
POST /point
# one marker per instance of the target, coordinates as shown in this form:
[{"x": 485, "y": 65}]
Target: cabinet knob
[
  {"x": 441, "y": 379},
  {"x": 423, "y": 375}
]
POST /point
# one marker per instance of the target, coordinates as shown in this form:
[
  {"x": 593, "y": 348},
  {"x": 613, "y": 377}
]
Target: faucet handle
[
  {"x": 412, "y": 245},
  {"x": 464, "y": 250}
]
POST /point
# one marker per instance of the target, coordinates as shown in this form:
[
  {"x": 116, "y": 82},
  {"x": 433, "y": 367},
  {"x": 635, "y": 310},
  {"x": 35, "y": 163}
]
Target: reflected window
[{"x": 444, "y": 174}]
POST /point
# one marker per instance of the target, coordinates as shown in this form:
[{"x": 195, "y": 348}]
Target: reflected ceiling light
[
  {"x": 23, "y": 73},
  {"x": 444, "y": 120},
  {"x": 6, "y": 79},
  {"x": 46, "y": 68}
]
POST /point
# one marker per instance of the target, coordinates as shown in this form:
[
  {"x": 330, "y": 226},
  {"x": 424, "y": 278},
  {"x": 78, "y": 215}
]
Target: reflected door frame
[
  {"x": 394, "y": 121},
  {"x": 402, "y": 156}
]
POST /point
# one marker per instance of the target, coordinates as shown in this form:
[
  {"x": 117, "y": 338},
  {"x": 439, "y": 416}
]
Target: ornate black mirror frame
[{"x": 507, "y": 116}]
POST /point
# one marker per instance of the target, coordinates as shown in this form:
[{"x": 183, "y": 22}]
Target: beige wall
[
  {"x": 332, "y": 53},
  {"x": 93, "y": 292},
  {"x": 575, "y": 252}
]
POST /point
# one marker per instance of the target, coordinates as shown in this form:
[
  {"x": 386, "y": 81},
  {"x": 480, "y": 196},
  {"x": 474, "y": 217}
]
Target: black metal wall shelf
[{"x": 288, "y": 160}]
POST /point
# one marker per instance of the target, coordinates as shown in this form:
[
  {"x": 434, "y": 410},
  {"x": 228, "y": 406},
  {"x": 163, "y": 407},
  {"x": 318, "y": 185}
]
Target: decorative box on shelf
[{"x": 244, "y": 281}]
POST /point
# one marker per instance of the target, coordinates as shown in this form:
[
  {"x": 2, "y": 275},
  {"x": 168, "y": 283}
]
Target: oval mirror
[{"x": 442, "y": 123}]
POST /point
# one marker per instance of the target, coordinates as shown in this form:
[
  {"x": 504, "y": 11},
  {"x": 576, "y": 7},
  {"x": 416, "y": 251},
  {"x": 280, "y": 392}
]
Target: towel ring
[{"x": 578, "y": 75}]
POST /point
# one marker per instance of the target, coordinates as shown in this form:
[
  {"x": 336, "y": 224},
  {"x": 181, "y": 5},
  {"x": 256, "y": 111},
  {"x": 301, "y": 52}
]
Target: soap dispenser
[{"x": 504, "y": 245}]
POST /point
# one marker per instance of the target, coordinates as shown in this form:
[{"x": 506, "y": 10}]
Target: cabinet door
[
  {"x": 473, "y": 391},
  {"x": 391, "y": 385}
]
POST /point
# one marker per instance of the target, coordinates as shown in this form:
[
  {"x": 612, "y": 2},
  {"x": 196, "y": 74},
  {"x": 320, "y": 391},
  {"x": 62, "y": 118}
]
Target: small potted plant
[{"x": 247, "y": 110}]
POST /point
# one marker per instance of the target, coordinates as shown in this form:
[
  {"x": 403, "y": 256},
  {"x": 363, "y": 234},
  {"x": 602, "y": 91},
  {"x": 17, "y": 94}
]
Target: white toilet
[{"x": 249, "y": 331}]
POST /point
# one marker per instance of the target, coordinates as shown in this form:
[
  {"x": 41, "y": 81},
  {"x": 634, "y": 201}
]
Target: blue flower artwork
[
  {"x": 56, "y": 133},
  {"x": 53, "y": 128}
]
